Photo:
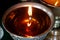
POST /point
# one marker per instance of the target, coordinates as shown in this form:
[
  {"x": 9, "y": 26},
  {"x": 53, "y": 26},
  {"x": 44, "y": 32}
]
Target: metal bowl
[
  {"x": 1, "y": 33},
  {"x": 35, "y": 5}
]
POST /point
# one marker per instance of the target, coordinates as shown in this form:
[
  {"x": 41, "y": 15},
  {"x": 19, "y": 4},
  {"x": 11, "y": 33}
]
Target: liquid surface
[{"x": 14, "y": 22}]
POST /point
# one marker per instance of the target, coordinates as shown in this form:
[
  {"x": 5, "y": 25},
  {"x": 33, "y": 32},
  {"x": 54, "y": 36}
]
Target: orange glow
[
  {"x": 53, "y": 2},
  {"x": 28, "y": 24},
  {"x": 28, "y": 36},
  {"x": 29, "y": 21},
  {"x": 27, "y": 30},
  {"x": 34, "y": 19},
  {"x": 30, "y": 11},
  {"x": 56, "y": 3},
  {"x": 30, "y": 18},
  {"x": 26, "y": 20},
  {"x": 12, "y": 15}
]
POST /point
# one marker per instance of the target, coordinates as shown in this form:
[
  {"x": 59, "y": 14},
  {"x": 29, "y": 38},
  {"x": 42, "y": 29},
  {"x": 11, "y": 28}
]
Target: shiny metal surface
[
  {"x": 55, "y": 9},
  {"x": 57, "y": 22},
  {"x": 49, "y": 4},
  {"x": 54, "y": 35},
  {"x": 36, "y": 5},
  {"x": 1, "y": 33}
]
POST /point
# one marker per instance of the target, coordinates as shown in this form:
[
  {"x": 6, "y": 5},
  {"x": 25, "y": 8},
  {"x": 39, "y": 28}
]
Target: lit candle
[
  {"x": 30, "y": 11},
  {"x": 30, "y": 16},
  {"x": 27, "y": 21}
]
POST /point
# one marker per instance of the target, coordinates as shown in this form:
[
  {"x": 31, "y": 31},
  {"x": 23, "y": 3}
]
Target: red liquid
[{"x": 14, "y": 22}]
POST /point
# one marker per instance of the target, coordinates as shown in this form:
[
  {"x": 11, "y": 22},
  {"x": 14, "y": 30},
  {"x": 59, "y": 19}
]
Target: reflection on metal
[
  {"x": 56, "y": 3},
  {"x": 57, "y": 22},
  {"x": 54, "y": 32},
  {"x": 55, "y": 38},
  {"x": 1, "y": 33},
  {"x": 53, "y": 35}
]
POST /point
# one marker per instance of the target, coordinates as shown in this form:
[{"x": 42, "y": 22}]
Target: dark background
[{"x": 4, "y": 5}]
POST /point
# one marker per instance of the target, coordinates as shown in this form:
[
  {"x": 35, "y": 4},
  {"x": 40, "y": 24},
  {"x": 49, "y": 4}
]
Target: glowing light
[
  {"x": 27, "y": 30},
  {"x": 28, "y": 36},
  {"x": 12, "y": 15},
  {"x": 26, "y": 20},
  {"x": 30, "y": 11},
  {"x": 55, "y": 38},
  {"x": 30, "y": 18},
  {"x": 55, "y": 32},
  {"x": 56, "y": 3},
  {"x": 28, "y": 24}
]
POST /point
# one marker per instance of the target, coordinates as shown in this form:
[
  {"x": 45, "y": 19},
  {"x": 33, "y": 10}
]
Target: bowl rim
[
  {"x": 36, "y": 5},
  {"x": 49, "y": 4}
]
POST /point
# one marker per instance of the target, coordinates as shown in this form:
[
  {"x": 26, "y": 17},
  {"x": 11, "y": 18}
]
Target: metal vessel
[{"x": 35, "y": 5}]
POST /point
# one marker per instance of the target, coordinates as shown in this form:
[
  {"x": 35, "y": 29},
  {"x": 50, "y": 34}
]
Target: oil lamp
[{"x": 28, "y": 21}]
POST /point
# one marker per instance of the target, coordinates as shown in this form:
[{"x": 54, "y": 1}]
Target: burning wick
[{"x": 30, "y": 16}]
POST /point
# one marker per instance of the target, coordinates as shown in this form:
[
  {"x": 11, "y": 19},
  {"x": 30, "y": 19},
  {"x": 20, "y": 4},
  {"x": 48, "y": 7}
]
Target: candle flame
[
  {"x": 30, "y": 11},
  {"x": 56, "y": 3},
  {"x": 28, "y": 24}
]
